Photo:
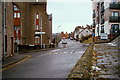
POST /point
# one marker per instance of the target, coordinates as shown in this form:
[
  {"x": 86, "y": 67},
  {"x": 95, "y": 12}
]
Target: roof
[{"x": 84, "y": 29}]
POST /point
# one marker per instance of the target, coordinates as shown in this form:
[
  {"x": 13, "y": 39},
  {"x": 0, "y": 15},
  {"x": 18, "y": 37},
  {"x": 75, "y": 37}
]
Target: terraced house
[
  {"x": 106, "y": 18},
  {"x": 25, "y": 23}
]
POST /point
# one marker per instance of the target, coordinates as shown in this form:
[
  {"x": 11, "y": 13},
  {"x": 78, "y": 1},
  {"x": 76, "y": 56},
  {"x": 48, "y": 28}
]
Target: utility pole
[
  {"x": 57, "y": 36},
  {"x": 98, "y": 17}
]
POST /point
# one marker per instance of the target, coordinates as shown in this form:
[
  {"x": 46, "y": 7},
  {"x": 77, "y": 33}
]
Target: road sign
[
  {"x": 93, "y": 34},
  {"x": 39, "y": 32},
  {"x": 31, "y": 45},
  {"x": 42, "y": 32}
]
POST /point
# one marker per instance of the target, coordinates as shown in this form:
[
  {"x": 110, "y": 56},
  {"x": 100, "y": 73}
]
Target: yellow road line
[{"x": 6, "y": 68}]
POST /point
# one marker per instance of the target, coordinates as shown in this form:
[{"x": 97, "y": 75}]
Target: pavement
[{"x": 19, "y": 56}]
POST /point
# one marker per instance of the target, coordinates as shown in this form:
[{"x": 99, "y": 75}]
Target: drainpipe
[
  {"x": 41, "y": 32},
  {"x": 4, "y": 28},
  {"x": 98, "y": 19}
]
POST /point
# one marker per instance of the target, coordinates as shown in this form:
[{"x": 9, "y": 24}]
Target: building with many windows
[
  {"x": 25, "y": 23},
  {"x": 106, "y": 18}
]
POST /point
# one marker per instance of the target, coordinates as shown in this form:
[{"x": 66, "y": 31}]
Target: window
[
  {"x": 98, "y": 29},
  {"x": 18, "y": 15},
  {"x": 37, "y": 0},
  {"x": 115, "y": 13},
  {"x": 37, "y": 39},
  {"x": 16, "y": 12},
  {"x": 102, "y": 4},
  {"x": 102, "y": 16},
  {"x": 36, "y": 27},
  {"x": 37, "y": 16},
  {"x": 102, "y": 29},
  {"x": 114, "y": 28},
  {"x": 15, "y": 15},
  {"x": 16, "y": 8},
  {"x": 114, "y": 2},
  {"x": 102, "y": 19}
]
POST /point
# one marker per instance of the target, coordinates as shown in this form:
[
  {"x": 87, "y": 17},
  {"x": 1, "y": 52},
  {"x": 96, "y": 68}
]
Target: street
[{"x": 55, "y": 63}]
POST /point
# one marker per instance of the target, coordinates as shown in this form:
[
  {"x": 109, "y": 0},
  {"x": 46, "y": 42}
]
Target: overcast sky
[{"x": 70, "y": 14}]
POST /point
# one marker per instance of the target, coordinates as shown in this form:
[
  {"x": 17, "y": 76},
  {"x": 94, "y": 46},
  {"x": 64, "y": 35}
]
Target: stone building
[
  {"x": 106, "y": 18},
  {"x": 26, "y": 23},
  {"x": 8, "y": 29}
]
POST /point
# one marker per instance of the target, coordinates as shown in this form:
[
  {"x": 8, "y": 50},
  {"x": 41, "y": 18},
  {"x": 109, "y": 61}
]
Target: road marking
[{"x": 55, "y": 50}]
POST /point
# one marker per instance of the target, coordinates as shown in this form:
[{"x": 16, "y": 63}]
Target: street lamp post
[
  {"x": 57, "y": 37},
  {"x": 41, "y": 32}
]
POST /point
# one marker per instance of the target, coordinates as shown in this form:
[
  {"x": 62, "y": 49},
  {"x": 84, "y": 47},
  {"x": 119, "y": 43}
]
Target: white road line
[{"x": 55, "y": 50}]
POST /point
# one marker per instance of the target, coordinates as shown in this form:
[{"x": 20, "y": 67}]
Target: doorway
[{"x": 12, "y": 46}]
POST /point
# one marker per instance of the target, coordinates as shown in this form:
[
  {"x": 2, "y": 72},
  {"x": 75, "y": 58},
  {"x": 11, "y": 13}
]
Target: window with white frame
[
  {"x": 37, "y": 39},
  {"x": 15, "y": 15},
  {"x": 37, "y": 27},
  {"x": 37, "y": 17},
  {"x": 18, "y": 15}
]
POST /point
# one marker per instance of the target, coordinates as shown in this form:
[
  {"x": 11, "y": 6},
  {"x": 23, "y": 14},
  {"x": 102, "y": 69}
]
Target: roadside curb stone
[
  {"x": 16, "y": 61},
  {"x": 83, "y": 66},
  {"x": 27, "y": 51}
]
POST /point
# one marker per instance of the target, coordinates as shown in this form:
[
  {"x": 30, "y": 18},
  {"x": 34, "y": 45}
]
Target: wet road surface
[{"x": 49, "y": 64}]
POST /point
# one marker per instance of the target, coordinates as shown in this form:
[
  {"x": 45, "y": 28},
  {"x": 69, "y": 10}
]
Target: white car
[
  {"x": 71, "y": 38},
  {"x": 64, "y": 41}
]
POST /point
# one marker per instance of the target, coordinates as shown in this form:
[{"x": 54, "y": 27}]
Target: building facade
[
  {"x": 81, "y": 31},
  {"x": 25, "y": 23},
  {"x": 76, "y": 32},
  {"x": 8, "y": 29},
  {"x": 106, "y": 18},
  {"x": 50, "y": 28}
]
